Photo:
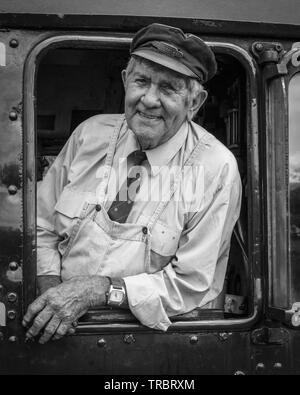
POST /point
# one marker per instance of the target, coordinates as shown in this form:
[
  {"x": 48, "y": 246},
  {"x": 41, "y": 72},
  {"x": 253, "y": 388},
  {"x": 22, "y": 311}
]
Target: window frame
[
  {"x": 294, "y": 73},
  {"x": 275, "y": 84},
  {"x": 293, "y": 69},
  {"x": 117, "y": 40}
]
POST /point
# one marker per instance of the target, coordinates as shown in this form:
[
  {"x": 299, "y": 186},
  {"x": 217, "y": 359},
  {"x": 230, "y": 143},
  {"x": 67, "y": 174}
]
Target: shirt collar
[{"x": 162, "y": 154}]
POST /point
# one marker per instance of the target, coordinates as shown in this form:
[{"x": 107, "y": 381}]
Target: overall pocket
[
  {"x": 164, "y": 239},
  {"x": 163, "y": 244}
]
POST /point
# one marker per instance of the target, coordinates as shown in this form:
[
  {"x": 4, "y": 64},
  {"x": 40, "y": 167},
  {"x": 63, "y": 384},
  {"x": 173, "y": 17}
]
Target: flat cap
[{"x": 170, "y": 47}]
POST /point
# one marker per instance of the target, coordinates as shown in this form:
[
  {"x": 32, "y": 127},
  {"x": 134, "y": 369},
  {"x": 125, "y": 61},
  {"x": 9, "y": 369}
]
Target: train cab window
[
  {"x": 294, "y": 182},
  {"x": 73, "y": 84}
]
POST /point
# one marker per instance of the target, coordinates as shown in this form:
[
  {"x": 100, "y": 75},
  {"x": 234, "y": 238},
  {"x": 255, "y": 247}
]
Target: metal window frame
[
  {"x": 293, "y": 73},
  {"x": 277, "y": 67},
  {"x": 254, "y": 183}
]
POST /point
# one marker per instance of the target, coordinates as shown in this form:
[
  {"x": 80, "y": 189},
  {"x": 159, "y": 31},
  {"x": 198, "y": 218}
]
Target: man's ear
[
  {"x": 123, "y": 74},
  {"x": 203, "y": 96},
  {"x": 196, "y": 103}
]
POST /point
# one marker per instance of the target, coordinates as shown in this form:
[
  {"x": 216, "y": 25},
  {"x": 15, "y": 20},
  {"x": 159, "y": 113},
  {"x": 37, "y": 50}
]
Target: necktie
[{"x": 121, "y": 206}]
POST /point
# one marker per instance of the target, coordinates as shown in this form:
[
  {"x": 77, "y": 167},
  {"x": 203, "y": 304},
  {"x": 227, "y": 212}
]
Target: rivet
[
  {"x": 277, "y": 365},
  {"x": 194, "y": 339},
  {"x": 296, "y": 320},
  {"x": 29, "y": 340},
  {"x": 12, "y": 189},
  {"x": 145, "y": 230},
  {"x": 260, "y": 366},
  {"x": 98, "y": 207},
  {"x": 13, "y": 115},
  {"x": 224, "y": 336},
  {"x": 13, "y": 266},
  {"x": 14, "y": 43},
  {"x": 13, "y": 339},
  {"x": 259, "y": 47},
  {"x": 278, "y": 47},
  {"x": 12, "y": 297},
  {"x": 101, "y": 343},
  {"x": 11, "y": 314},
  {"x": 129, "y": 339}
]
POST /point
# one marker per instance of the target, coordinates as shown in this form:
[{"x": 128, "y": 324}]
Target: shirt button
[
  {"x": 145, "y": 230},
  {"x": 98, "y": 207}
]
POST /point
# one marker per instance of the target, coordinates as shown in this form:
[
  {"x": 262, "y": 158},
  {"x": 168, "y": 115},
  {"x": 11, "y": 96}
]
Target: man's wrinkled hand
[{"x": 54, "y": 312}]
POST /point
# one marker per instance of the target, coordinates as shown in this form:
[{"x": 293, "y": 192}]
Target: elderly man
[{"x": 116, "y": 222}]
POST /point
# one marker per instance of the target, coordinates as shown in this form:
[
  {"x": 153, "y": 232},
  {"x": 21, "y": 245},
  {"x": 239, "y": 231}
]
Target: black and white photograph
[{"x": 149, "y": 190}]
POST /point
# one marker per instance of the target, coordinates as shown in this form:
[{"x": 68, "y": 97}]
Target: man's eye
[
  {"x": 167, "y": 88},
  {"x": 141, "y": 81}
]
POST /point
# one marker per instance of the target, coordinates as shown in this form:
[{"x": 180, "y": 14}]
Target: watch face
[{"x": 116, "y": 296}]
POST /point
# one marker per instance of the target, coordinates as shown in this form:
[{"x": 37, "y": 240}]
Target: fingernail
[{"x": 24, "y": 323}]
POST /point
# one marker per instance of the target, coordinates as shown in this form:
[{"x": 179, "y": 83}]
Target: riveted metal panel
[
  {"x": 149, "y": 353},
  {"x": 15, "y": 45}
]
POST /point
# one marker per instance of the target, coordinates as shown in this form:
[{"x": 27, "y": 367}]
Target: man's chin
[
  {"x": 143, "y": 136},
  {"x": 146, "y": 142}
]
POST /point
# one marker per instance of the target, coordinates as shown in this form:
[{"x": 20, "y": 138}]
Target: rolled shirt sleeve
[{"x": 195, "y": 276}]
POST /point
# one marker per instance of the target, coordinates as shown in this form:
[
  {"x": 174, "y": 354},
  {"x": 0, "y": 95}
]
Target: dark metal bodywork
[{"x": 261, "y": 343}]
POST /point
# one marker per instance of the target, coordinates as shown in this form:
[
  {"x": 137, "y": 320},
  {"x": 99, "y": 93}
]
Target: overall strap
[{"x": 101, "y": 192}]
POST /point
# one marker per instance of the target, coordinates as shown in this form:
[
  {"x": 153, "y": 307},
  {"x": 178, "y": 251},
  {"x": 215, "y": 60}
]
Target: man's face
[{"x": 156, "y": 103}]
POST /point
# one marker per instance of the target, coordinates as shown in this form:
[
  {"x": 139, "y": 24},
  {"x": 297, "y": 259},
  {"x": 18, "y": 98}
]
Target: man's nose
[{"x": 151, "y": 97}]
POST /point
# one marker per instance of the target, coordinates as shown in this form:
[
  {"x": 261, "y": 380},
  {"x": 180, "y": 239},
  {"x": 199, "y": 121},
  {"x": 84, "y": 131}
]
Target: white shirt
[{"x": 190, "y": 242}]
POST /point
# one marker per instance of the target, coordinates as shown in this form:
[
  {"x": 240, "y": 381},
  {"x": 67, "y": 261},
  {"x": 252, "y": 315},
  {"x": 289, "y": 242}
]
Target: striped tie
[{"x": 121, "y": 206}]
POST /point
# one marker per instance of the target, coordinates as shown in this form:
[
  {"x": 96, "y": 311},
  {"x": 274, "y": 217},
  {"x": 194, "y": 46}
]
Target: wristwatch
[{"x": 116, "y": 294}]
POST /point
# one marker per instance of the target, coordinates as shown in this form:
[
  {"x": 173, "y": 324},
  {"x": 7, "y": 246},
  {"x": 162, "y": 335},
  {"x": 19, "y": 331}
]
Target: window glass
[{"x": 294, "y": 180}]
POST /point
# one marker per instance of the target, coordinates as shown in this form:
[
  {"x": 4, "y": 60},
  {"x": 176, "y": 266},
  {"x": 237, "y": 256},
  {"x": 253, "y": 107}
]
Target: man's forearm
[
  {"x": 61, "y": 304},
  {"x": 95, "y": 287}
]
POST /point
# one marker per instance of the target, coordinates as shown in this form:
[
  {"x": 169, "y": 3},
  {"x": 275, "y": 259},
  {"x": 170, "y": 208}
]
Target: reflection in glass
[{"x": 294, "y": 165}]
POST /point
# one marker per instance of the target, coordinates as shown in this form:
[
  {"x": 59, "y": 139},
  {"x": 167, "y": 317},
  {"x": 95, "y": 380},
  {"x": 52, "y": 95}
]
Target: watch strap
[{"x": 117, "y": 282}]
